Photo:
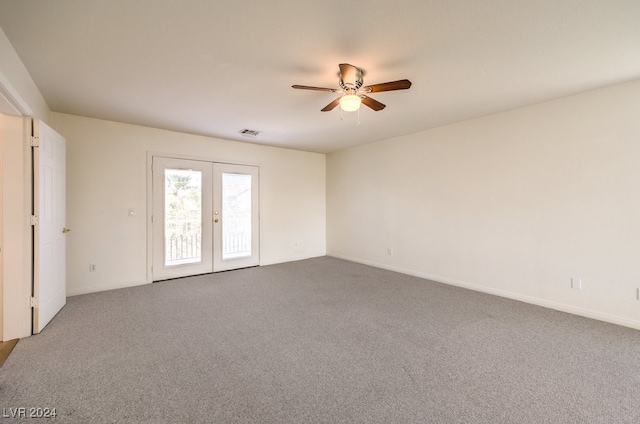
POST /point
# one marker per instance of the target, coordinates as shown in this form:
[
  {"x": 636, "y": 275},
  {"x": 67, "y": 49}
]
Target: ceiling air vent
[{"x": 249, "y": 133}]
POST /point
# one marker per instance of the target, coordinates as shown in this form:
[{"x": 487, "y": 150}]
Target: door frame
[
  {"x": 16, "y": 230},
  {"x": 213, "y": 159},
  {"x": 15, "y": 281}
]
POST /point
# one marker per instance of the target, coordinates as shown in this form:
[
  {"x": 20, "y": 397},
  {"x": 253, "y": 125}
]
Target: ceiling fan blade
[
  {"x": 331, "y": 105},
  {"x": 388, "y": 86},
  {"x": 373, "y": 104},
  {"x": 306, "y": 87},
  {"x": 348, "y": 73}
]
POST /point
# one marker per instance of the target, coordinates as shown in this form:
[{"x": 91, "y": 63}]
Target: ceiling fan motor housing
[{"x": 355, "y": 83}]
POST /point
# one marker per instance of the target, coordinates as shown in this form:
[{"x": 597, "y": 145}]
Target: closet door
[{"x": 49, "y": 225}]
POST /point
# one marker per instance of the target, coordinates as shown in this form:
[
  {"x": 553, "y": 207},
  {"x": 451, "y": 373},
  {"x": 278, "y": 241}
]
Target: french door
[
  {"x": 236, "y": 242},
  {"x": 205, "y": 217}
]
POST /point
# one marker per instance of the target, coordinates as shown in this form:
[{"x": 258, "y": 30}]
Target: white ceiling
[{"x": 217, "y": 67}]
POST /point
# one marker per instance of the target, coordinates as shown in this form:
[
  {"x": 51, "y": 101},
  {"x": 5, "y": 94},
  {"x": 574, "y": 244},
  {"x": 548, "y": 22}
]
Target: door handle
[
  {"x": 215, "y": 220},
  {"x": 65, "y": 230}
]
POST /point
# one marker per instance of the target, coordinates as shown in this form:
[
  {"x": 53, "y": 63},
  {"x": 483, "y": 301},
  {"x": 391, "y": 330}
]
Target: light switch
[{"x": 576, "y": 283}]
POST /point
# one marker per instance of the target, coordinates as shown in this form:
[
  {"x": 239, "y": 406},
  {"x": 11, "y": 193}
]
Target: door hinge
[
  {"x": 33, "y": 301},
  {"x": 33, "y": 219},
  {"x": 34, "y": 141}
]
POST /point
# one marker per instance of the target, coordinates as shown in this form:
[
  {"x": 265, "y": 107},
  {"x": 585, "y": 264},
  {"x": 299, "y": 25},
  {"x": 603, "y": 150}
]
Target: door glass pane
[
  {"x": 183, "y": 216},
  {"x": 236, "y": 215}
]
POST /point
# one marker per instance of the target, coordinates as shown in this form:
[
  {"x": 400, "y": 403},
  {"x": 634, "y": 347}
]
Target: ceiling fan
[{"x": 353, "y": 92}]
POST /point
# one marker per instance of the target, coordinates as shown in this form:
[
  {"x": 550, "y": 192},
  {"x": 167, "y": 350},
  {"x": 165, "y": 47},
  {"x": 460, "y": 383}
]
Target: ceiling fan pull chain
[
  {"x": 341, "y": 114},
  {"x": 358, "y": 124}
]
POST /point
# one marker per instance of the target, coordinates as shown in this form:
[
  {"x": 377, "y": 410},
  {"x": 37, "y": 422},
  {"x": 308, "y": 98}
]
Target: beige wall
[
  {"x": 514, "y": 204},
  {"x": 107, "y": 175}
]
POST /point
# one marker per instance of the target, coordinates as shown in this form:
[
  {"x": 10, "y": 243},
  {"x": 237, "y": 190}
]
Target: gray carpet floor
[{"x": 321, "y": 341}]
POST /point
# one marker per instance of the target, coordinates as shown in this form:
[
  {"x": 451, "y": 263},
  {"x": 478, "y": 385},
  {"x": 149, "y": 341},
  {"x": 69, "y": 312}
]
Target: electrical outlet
[
  {"x": 576, "y": 283},
  {"x": 390, "y": 251},
  {"x": 92, "y": 267}
]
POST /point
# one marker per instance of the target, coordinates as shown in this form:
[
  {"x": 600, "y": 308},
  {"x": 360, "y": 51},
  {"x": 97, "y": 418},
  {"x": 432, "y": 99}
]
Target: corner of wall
[{"x": 16, "y": 84}]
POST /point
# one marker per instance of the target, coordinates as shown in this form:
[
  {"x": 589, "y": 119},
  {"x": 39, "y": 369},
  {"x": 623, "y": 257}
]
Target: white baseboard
[
  {"x": 95, "y": 289},
  {"x": 293, "y": 259},
  {"x": 587, "y": 313}
]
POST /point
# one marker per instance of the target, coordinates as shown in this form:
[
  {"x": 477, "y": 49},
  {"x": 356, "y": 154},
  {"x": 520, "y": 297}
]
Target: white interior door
[
  {"x": 49, "y": 279},
  {"x": 182, "y": 227},
  {"x": 236, "y": 233}
]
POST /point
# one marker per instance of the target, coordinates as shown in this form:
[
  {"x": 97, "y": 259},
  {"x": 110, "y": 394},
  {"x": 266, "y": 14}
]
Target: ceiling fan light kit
[
  {"x": 353, "y": 91},
  {"x": 350, "y": 102}
]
